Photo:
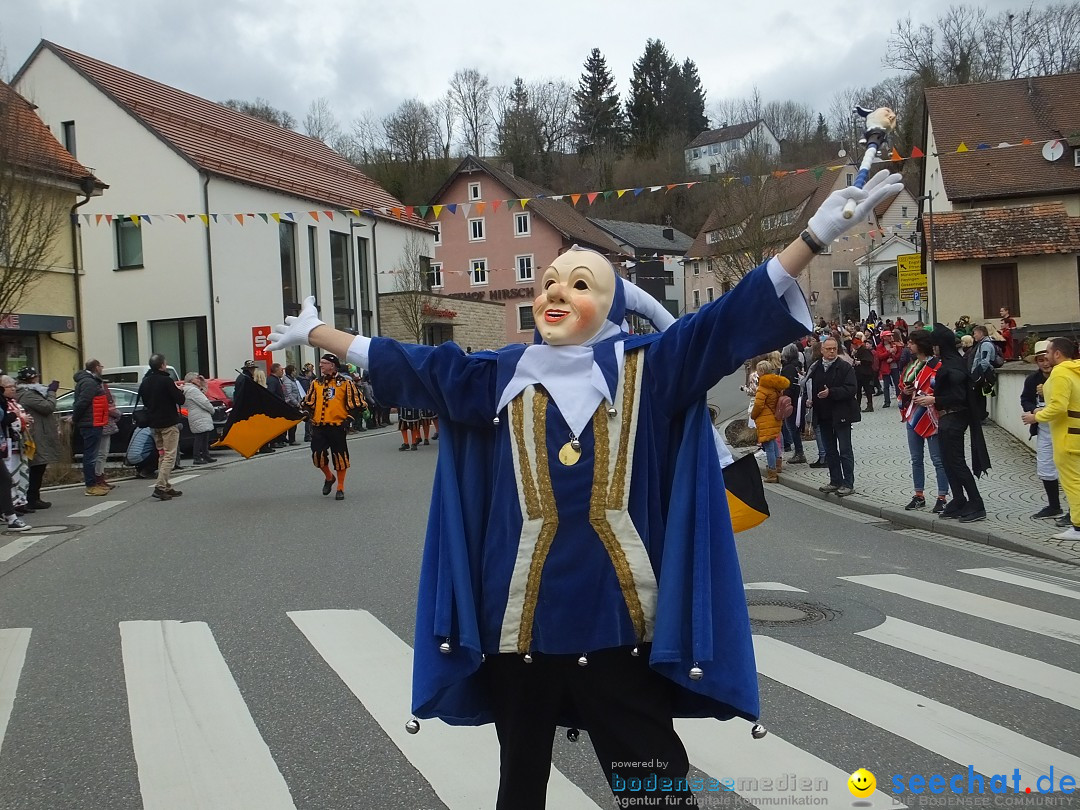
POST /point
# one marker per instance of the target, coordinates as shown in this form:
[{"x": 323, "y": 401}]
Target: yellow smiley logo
[{"x": 861, "y": 783}]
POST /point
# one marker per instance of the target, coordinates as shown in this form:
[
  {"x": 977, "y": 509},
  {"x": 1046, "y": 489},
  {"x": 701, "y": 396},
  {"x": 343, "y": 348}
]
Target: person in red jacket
[{"x": 887, "y": 354}]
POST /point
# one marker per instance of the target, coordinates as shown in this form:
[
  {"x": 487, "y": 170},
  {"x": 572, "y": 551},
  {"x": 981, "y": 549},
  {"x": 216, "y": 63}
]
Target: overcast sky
[{"x": 366, "y": 55}]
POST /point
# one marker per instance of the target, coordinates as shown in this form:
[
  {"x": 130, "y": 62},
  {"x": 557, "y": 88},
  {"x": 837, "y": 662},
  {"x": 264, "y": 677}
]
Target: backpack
[
  {"x": 783, "y": 408},
  {"x": 998, "y": 360}
]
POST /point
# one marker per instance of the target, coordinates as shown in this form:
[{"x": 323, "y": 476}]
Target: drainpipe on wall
[
  {"x": 87, "y": 186},
  {"x": 210, "y": 278},
  {"x": 377, "y": 325}
]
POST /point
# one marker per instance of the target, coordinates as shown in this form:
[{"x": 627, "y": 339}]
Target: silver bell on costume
[
  {"x": 445, "y": 647},
  {"x": 611, "y": 411},
  {"x": 495, "y": 421},
  {"x": 528, "y": 658},
  {"x": 635, "y": 652},
  {"x": 413, "y": 726},
  {"x": 758, "y": 731},
  {"x": 572, "y": 734},
  {"x": 696, "y": 673},
  {"x": 575, "y": 443},
  {"x": 583, "y": 661}
]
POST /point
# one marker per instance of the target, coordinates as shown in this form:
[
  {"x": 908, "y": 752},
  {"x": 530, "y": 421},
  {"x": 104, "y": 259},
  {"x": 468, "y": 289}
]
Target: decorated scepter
[{"x": 879, "y": 123}]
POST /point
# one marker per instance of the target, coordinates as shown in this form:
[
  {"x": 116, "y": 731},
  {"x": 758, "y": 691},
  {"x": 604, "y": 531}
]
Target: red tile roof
[
  {"x": 991, "y": 113},
  {"x": 562, "y": 216},
  {"x": 27, "y": 144},
  {"x": 729, "y": 133},
  {"x": 230, "y": 144},
  {"x": 992, "y": 233}
]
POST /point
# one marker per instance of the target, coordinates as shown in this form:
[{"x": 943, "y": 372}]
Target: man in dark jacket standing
[
  {"x": 833, "y": 393},
  {"x": 163, "y": 400},
  {"x": 89, "y": 415}
]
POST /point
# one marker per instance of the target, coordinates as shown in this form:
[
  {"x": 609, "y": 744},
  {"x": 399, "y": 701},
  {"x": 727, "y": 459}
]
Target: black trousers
[
  {"x": 624, "y": 705},
  {"x": 866, "y": 388},
  {"x": 6, "y": 507},
  {"x": 951, "y": 430},
  {"x": 33, "y": 490}
]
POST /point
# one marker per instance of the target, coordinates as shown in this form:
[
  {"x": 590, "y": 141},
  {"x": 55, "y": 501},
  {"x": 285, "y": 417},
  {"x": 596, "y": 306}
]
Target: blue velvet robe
[{"x": 677, "y": 503}]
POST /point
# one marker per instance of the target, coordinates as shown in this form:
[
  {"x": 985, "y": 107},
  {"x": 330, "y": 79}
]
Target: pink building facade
[{"x": 489, "y": 250}]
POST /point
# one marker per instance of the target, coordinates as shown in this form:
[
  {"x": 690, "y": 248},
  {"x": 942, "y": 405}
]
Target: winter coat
[
  {"x": 294, "y": 394},
  {"x": 1030, "y": 398},
  {"x": 91, "y": 408},
  {"x": 864, "y": 371},
  {"x": 200, "y": 412},
  {"x": 770, "y": 387},
  {"x": 40, "y": 403},
  {"x": 275, "y": 387},
  {"x": 888, "y": 358},
  {"x": 162, "y": 399},
  {"x": 842, "y": 405}
]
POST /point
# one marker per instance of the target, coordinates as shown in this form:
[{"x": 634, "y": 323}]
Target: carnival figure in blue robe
[{"x": 580, "y": 567}]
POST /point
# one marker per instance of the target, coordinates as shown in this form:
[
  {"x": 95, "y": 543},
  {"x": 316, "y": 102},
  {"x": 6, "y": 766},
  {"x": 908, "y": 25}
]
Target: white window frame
[
  {"x": 474, "y": 192},
  {"x": 436, "y": 276},
  {"x": 438, "y": 232},
  {"x": 847, "y": 278},
  {"x": 709, "y": 293},
  {"x": 525, "y": 308},
  {"x": 697, "y": 299},
  {"x": 522, "y": 216},
  {"x": 476, "y": 267},
  {"x": 472, "y": 229},
  {"x": 532, "y": 267},
  {"x": 697, "y": 268}
]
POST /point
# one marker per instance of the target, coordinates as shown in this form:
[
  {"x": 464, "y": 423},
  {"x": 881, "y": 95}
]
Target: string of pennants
[{"x": 478, "y": 207}]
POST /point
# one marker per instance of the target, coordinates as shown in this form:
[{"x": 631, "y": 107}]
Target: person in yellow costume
[{"x": 1062, "y": 413}]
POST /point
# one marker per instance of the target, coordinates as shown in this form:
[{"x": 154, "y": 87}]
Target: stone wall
[
  {"x": 1005, "y": 407},
  {"x": 476, "y": 324}
]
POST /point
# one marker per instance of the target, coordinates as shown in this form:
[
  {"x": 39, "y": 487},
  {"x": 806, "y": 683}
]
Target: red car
[{"x": 221, "y": 389}]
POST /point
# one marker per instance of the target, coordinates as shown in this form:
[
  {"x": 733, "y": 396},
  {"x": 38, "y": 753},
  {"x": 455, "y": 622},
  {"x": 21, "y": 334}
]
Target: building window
[
  {"x": 290, "y": 292},
  {"x": 525, "y": 318},
  {"x": 841, "y": 279},
  {"x": 850, "y": 178},
  {"x": 313, "y": 259},
  {"x": 435, "y": 276},
  {"x": 478, "y": 272},
  {"x": 697, "y": 268},
  {"x": 474, "y": 191},
  {"x": 709, "y": 293},
  {"x": 183, "y": 342},
  {"x": 524, "y": 267},
  {"x": 129, "y": 252},
  {"x": 522, "y": 225},
  {"x": 341, "y": 278},
  {"x": 697, "y": 299},
  {"x": 1000, "y": 289},
  {"x": 129, "y": 344},
  {"x": 476, "y": 230},
  {"x": 366, "y": 305},
  {"x": 68, "y": 130},
  {"x": 438, "y": 232},
  {"x": 903, "y": 211},
  {"x": 780, "y": 220}
]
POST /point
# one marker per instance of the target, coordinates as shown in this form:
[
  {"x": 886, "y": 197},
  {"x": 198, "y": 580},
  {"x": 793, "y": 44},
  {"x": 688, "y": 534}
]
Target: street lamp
[{"x": 931, "y": 292}]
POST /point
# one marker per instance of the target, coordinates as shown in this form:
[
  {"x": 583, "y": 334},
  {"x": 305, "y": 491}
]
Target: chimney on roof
[{"x": 669, "y": 234}]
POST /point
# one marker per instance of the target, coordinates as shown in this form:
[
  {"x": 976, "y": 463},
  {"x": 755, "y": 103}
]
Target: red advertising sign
[{"x": 260, "y": 336}]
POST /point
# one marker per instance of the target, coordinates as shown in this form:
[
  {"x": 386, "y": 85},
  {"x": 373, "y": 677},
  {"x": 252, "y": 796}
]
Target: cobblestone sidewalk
[{"x": 1011, "y": 490}]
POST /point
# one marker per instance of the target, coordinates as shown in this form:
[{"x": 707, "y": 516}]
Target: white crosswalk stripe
[
  {"x": 20, "y": 544},
  {"x": 97, "y": 509},
  {"x": 179, "y": 479},
  {"x": 196, "y": 744}
]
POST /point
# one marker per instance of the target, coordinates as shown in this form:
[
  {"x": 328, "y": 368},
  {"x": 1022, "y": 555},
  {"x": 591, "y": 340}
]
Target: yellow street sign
[{"x": 910, "y": 276}]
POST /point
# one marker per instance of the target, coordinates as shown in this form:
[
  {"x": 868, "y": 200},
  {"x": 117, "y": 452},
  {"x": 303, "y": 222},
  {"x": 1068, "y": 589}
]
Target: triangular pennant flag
[
  {"x": 670, "y": 186},
  {"x": 239, "y": 218},
  {"x": 896, "y": 156},
  {"x": 916, "y": 152},
  {"x": 495, "y": 205},
  {"x": 205, "y": 219},
  {"x": 329, "y": 215},
  {"x": 99, "y": 216},
  {"x": 135, "y": 218},
  {"x": 691, "y": 185},
  {"x": 355, "y": 212},
  {"x": 556, "y": 196},
  {"x": 480, "y": 208},
  {"x": 835, "y": 168},
  {"x": 75, "y": 219},
  {"x": 423, "y": 209},
  {"x": 289, "y": 214},
  {"x": 524, "y": 202},
  {"x": 452, "y": 208},
  {"x": 277, "y": 218},
  {"x": 574, "y": 198},
  {"x": 962, "y": 147},
  {"x": 408, "y": 211},
  {"x": 801, "y": 171},
  {"x": 396, "y": 212},
  {"x": 465, "y": 208},
  {"x": 147, "y": 220},
  {"x": 983, "y": 146},
  {"x": 778, "y": 174},
  {"x": 746, "y": 179},
  {"x": 314, "y": 215},
  {"x": 607, "y": 195},
  {"x": 655, "y": 188},
  {"x": 437, "y": 209},
  {"x": 620, "y": 192},
  {"x": 182, "y": 217},
  {"x": 265, "y": 218},
  {"x": 638, "y": 191},
  {"x": 1026, "y": 142},
  {"x": 591, "y": 196}
]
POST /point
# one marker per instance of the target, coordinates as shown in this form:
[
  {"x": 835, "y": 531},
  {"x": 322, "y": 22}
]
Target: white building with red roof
[{"x": 215, "y": 223}]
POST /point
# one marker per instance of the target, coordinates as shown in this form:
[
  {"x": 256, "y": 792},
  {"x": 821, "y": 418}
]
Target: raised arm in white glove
[
  {"x": 828, "y": 221},
  {"x": 307, "y": 328}
]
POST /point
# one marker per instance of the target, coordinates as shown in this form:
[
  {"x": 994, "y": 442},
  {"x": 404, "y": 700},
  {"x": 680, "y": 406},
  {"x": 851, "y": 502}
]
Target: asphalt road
[{"x": 246, "y": 645}]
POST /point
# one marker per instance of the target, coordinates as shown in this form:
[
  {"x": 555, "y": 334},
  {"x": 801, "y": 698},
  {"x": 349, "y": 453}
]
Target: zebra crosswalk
[{"x": 196, "y": 743}]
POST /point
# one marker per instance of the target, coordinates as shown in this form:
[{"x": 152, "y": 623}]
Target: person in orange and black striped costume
[{"x": 330, "y": 400}]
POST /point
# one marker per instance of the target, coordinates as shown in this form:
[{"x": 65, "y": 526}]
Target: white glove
[
  {"x": 295, "y": 330},
  {"x": 828, "y": 221}
]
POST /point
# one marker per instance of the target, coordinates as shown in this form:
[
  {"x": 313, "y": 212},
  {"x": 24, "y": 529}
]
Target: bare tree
[
  {"x": 446, "y": 121},
  {"x": 790, "y": 121},
  {"x": 412, "y": 133},
  {"x": 412, "y": 283},
  {"x": 33, "y": 205},
  {"x": 320, "y": 121},
  {"x": 1058, "y": 40},
  {"x": 262, "y": 109},
  {"x": 471, "y": 95},
  {"x": 553, "y": 100}
]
